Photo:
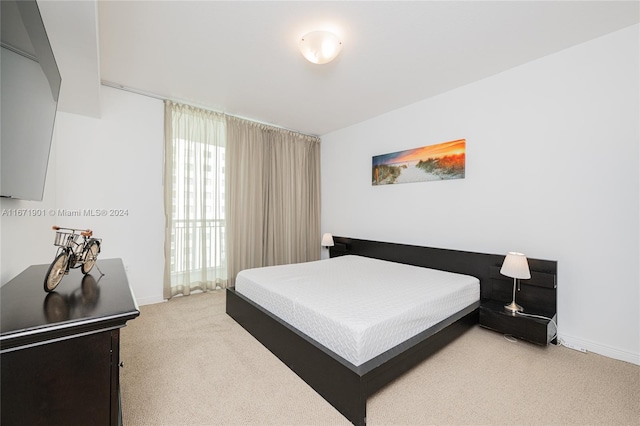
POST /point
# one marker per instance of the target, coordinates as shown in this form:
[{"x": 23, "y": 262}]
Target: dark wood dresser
[{"x": 60, "y": 352}]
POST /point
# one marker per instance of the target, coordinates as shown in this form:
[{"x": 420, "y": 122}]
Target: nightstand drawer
[{"x": 535, "y": 330}]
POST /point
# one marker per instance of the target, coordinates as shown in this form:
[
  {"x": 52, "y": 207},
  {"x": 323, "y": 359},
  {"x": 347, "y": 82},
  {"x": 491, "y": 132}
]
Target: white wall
[
  {"x": 110, "y": 163},
  {"x": 552, "y": 171}
]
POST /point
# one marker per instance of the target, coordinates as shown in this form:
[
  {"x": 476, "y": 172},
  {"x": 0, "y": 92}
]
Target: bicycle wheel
[
  {"x": 90, "y": 256},
  {"x": 56, "y": 272}
]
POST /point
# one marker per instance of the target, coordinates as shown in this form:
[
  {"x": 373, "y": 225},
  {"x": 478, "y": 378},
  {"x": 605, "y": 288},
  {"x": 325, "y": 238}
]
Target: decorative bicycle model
[{"x": 76, "y": 249}]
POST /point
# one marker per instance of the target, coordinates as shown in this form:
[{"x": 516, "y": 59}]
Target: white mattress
[{"x": 356, "y": 306}]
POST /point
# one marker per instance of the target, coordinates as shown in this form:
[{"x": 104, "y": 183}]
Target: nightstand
[
  {"x": 537, "y": 296},
  {"x": 535, "y": 330}
]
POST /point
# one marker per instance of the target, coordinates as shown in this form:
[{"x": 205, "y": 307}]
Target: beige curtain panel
[
  {"x": 273, "y": 198},
  {"x": 194, "y": 184}
]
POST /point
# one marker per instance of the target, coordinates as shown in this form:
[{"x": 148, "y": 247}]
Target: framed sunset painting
[{"x": 442, "y": 161}]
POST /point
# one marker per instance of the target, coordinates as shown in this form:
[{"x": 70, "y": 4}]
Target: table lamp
[
  {"x": 327, "y": 240},
  {"x": 515, "y": 265}
]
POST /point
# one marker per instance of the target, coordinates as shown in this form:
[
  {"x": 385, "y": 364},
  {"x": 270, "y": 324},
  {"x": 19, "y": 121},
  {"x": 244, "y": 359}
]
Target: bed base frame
[{"x": 342, "y": 384}]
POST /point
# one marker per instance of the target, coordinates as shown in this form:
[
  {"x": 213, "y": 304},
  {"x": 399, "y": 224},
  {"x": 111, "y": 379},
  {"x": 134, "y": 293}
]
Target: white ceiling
[{"x": 242, "y": 58}]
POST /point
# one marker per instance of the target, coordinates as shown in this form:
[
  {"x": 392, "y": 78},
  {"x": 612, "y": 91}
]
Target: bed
[{"x": 348, "y": 354}]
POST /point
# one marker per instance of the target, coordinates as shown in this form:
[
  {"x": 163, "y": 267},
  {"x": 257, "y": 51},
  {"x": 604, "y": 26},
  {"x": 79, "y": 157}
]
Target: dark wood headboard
[{"x": 538, "y": 291}]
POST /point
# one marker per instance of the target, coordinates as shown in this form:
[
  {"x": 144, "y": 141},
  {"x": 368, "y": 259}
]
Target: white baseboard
[
  {"x": 577, "y": 343},
  {"x": 150, "y": 300}
]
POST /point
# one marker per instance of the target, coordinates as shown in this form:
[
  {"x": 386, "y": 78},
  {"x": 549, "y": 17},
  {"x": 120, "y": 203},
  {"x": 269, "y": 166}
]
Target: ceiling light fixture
[{"x": 320, "y": 47}]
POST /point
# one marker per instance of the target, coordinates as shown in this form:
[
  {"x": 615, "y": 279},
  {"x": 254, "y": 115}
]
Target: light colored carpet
[{"x": 188, "y": 363}]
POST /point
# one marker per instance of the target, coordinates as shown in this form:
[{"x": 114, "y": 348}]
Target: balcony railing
[{"x": 197, "y": 245}]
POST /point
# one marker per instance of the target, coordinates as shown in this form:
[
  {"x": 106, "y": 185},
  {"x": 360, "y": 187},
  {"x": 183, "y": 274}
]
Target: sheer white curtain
[
  {"x": 274, "y": 196},
  {"x": 195, "y": 247}
]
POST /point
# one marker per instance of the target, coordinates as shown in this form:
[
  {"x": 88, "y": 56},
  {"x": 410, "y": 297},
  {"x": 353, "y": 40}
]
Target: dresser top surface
[{"x": 81, "y": 301}]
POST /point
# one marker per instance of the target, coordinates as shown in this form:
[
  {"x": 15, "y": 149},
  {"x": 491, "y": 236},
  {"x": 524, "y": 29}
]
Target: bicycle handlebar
[{"x": 57, "y": 228}]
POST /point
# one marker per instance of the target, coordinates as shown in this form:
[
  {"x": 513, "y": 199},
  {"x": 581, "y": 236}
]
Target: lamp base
[{"x": 513, "y": 307}]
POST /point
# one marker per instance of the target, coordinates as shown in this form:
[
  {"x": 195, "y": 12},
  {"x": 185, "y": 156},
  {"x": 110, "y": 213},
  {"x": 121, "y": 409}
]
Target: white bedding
[{"x": 355, "y": 306}]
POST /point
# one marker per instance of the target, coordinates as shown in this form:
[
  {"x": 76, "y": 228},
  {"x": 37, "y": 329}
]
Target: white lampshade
[
  {"x": 327, "y": 240},
  {"x": 515, "y": 265},
  {"x": 320, "y": 47}
]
